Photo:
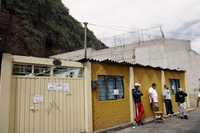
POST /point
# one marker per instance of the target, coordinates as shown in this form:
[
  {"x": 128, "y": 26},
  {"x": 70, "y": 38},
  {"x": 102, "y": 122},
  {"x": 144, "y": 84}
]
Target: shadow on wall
[{"x": 193, "y": 98}]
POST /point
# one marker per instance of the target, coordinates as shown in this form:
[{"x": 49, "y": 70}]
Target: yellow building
[
  {"x": 112, "y": 112},
  {"x": 113, "y": 77}
]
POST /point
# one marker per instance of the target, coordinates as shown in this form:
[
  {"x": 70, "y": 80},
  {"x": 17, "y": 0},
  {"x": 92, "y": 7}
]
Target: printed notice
[
  {"x": 59, "y": 87},
  {"x": 51, "y": 87},
  {"x": 116, "y": 92},
  {"x": 38, "y": 99}
]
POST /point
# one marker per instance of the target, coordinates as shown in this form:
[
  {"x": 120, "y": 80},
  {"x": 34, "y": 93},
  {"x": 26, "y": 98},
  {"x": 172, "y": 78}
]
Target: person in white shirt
[
  {"x": 153, "y": 97},
  {"x": 167, "y": 100},
  {"x": 198, "y": 98}
]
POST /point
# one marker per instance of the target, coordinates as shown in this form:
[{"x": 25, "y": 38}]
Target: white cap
[{"x": 137, "y": 84}]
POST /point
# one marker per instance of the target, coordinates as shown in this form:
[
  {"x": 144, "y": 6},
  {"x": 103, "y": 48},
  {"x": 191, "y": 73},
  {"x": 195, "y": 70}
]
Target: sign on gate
[{"x": 61, "y": 87}]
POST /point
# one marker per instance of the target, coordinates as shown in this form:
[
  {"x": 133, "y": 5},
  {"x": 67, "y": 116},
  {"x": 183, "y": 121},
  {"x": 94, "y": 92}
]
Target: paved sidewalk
[{"x": 171, "y": 125}]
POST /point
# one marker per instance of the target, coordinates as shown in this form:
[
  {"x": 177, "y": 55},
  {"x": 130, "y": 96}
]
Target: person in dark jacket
[
  {"x": 138, "y": 103},
  {"x": 180, "y": 99}
]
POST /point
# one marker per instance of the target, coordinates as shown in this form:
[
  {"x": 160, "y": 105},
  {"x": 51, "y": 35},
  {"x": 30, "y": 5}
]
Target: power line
[
  {"x": 109, "y": 27},
  {"x": 186, "y": 34},
  {"x": 142, "y": 34},
  {"x": 123, "y": 28}
]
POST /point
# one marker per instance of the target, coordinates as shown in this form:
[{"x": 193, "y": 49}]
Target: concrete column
[
  {"x": 187, "y": 91},
  {"x": 163, "y": 82},
  {"x": 88, "y": 98},
  {"x": 5, "y": 92},
  {"x": 131, "y": 84}
]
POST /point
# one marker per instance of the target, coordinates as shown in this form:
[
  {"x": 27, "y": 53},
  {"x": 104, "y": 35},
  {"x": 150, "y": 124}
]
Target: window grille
[{"x": 110, "y": 87}]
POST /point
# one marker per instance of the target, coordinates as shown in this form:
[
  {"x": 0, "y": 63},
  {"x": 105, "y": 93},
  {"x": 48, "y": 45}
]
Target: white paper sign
[
  {"x": 38, "y": 99},
  {"x": 66, "y": 88},
  {"x": 116, "y": 92},
  {"x": 51, "y": 87},
  {"x": 61, "y": 87}
]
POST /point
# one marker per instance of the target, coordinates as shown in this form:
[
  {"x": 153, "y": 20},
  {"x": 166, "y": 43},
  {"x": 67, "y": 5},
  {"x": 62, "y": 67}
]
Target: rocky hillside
[{"x": 40, "y": 28}]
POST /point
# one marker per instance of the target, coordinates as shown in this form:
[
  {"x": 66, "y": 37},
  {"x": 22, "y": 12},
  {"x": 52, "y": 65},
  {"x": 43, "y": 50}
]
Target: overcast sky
[{"x": 119, "y": 16}]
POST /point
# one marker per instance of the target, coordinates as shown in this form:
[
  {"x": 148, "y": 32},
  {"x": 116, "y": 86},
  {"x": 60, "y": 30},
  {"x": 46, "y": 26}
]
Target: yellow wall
[
  {"x": 175, "y": 75},
  {"x": 146, "y": 76},
  {"x": 115, "y": 112},
  {"x": 111, "y": 113}
]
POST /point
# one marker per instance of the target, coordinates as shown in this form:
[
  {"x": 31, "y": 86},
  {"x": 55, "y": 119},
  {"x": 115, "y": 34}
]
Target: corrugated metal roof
[{"x": 111, "y": 55}]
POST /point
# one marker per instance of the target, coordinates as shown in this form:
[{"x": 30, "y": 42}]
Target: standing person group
[{"x": 154, "y": 101}]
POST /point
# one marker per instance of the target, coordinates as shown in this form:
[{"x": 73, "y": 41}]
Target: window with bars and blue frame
[
  {"x": 175, "y": 85},
  {"x": 110, "y": 87}
]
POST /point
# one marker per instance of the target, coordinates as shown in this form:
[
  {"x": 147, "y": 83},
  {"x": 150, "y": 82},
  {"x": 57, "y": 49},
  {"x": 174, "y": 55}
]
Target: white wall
[
  {"x": 165, "y": 53},
  {"x": 175, "y": 54}
]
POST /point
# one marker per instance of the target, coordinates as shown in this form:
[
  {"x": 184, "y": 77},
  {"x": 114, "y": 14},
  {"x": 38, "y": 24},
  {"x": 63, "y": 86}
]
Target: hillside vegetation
[{"x": 41, "y": 28}]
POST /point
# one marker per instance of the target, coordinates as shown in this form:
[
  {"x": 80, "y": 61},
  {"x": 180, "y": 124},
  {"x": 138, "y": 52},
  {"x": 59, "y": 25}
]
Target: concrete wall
[{"x": 175, "y": 54}]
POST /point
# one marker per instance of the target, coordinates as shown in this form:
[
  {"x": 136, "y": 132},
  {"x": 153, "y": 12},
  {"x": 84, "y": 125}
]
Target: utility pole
[
  {"x": 85, "y": 39},
  {"x": 0, "y": 4},
  {"x": 162, "y": 33}
]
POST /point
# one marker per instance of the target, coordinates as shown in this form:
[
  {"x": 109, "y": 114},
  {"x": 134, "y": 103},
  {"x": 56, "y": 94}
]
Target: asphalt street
[{"x": 171, "y": 125}]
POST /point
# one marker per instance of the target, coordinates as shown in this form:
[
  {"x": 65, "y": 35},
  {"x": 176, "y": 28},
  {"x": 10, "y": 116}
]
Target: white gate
[
  {"x": 41, "y": 110},
  {"x": 41, "y": 95}
]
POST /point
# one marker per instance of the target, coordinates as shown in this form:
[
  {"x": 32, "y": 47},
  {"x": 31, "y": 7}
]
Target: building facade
[
  {"x": 173, "y": 54},
  {"x": 113, "y": 81},
  {"x": 165, "y": 53}
]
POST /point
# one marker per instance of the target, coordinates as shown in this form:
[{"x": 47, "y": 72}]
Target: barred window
[
  {"x": 42, "y": 71},
  {"x": 69, "y": 72},
  {"x": 110, "y": 87},
  {"x": 31, "y": 70},
  {"x": 175, "y": 85},
  {"x": 23, "y": 70}
]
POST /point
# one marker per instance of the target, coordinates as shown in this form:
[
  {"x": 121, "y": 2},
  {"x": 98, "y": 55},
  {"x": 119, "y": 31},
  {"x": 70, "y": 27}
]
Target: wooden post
[
  {"x": 131, "y": 84},
  {"x": 88, "y": 98},
  {"x": 5, "y": 92}
]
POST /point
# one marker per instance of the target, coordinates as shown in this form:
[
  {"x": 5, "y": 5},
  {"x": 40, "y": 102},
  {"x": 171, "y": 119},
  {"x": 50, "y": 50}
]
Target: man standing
[
  {"x": 198, "y": 98},
  {"x": 167, "y": 99},
  {"x": 153, "y": 97},
  {"x": 180, "y": 99},
  {"x": 138, "y": 103}
]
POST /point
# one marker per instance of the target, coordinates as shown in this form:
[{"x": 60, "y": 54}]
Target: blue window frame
[
  {"x": 110, "y": 87},
  {"x": 175, "y": 85}
]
